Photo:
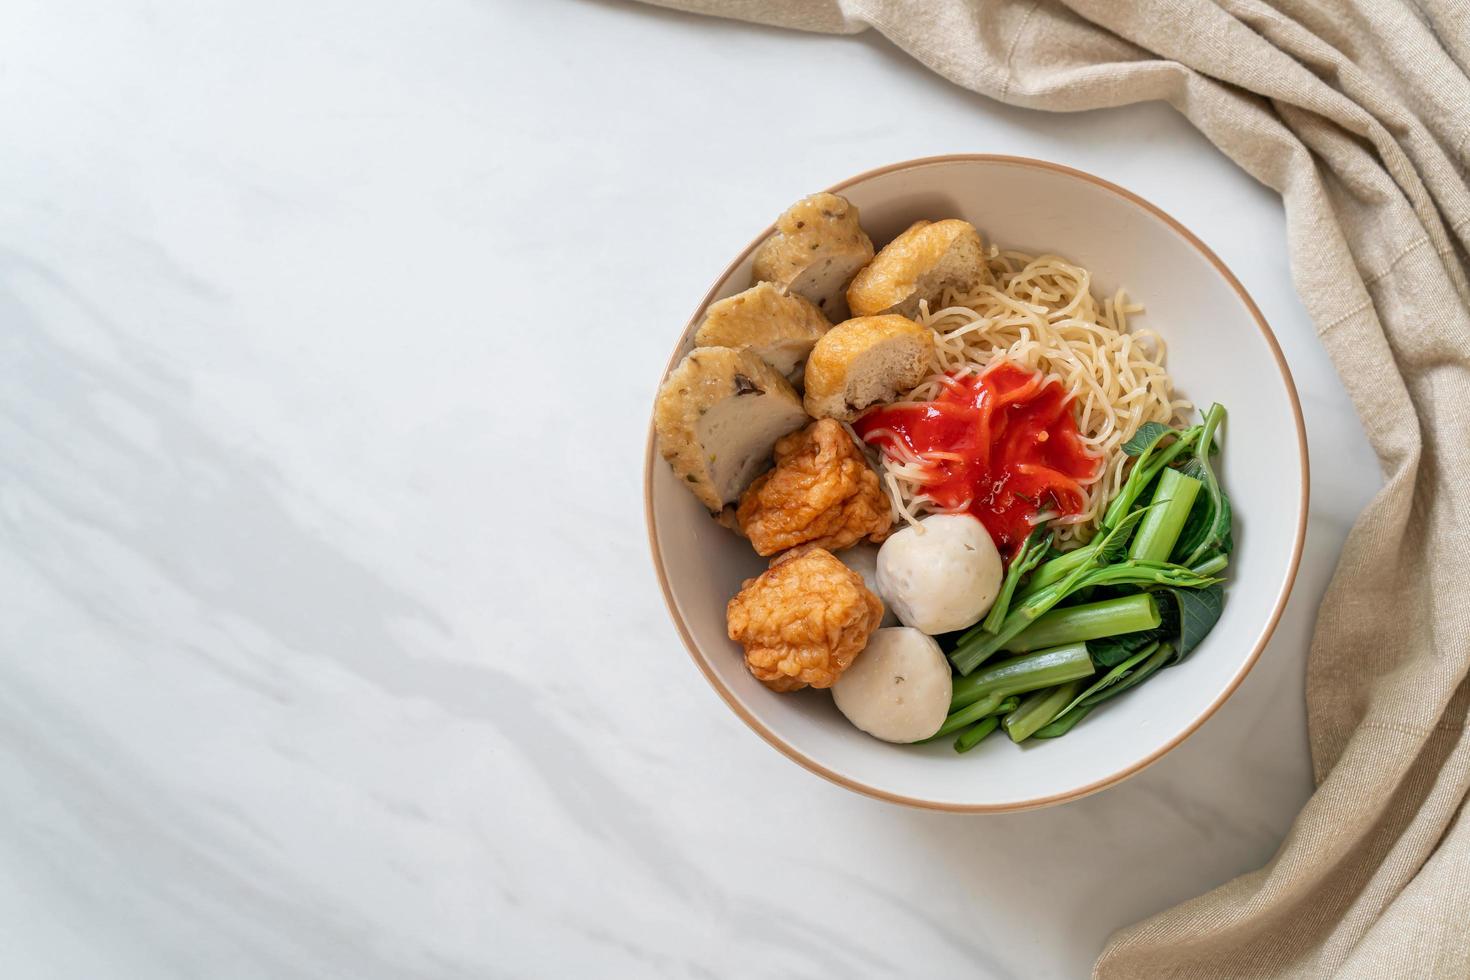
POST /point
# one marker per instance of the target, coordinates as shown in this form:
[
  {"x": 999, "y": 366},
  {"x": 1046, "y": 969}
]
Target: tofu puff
[
  {"x": 920, "y": 264},
  {"x": 817, "y": 248},
  {"x": 777, "y": 327},
  {"x": 865, "y": 361}
]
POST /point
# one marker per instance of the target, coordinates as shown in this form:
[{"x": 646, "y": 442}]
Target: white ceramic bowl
[{"x": 1220, "y": 349}]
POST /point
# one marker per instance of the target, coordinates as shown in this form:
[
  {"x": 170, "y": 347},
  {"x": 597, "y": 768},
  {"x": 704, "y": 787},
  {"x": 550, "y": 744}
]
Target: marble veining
[{"x": 330, "y": 644}]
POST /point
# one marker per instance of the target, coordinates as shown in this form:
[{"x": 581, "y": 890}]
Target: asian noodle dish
[{"x": 982, "y": 502}]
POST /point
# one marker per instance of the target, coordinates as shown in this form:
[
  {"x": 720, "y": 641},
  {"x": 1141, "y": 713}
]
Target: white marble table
[{"x": 329, "y": 643}]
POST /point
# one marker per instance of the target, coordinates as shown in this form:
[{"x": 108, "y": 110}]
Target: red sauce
[{"x": 1001, "y": 444}]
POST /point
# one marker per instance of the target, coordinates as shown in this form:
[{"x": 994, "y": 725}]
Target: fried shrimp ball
[
  {"x": 821, "y": 492},
  {"x": 803, "y": 621}
]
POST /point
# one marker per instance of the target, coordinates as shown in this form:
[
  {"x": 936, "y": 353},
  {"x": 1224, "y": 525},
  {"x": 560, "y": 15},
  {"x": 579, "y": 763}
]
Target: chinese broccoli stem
[
  {"x": 1211, "y": 566},
  {"x": 1031, "y": 554},
  {"x": 975, "y": 647},
  {"x": 1144, "y": 470},
  {"x": 1038, "y": 710},
  {"x": 1173, "y": 497},
  {"x": 1057, "y": 569},
  {"x": 1139, "y": 673},
  {"x": 975, "y": 734},
  {"x": 1044, "y": 668},
  {"x": 1093, "y": 621},
  {"x": 988, "y": 704},
  {"x": 1065, "y": 723}
]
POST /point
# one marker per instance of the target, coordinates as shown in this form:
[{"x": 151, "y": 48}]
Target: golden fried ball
[
  {"x": 821, "y": 492},
  {"x": 803, "y": 621}
]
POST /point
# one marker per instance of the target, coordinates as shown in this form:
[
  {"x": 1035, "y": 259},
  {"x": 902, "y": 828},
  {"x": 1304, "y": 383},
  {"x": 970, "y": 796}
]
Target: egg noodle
[{"x": 1039, "y": 312}]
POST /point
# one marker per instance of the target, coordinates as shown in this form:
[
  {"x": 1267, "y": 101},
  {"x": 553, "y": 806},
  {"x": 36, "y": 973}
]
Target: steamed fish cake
[
  {"x": 777, "y": 327},
  {"x": 718, "y": 417}
]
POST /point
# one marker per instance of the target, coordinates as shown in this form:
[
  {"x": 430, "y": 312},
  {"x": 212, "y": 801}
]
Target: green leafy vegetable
[
  {"x": 1195, "y": 613},
  {"x": 1147, "y": 437},
  {"x": 1063, "y": 725},
  {"x": 1145, "y": 669},
  {"x": 1172, "y": 504},
  {"x": 1044, "y": 668},
  {"x": 1139, "y": 598},
  {"x": 1035, "y": 548},
  {"x": 972, "y": 736},
  {"x": 1146, "y": 467},
  {"x": 1038, "y": 710},
  {"x": 976, "y": 733},
  {"x": 1109, "y": 617},
  {"x": 1109, "y": 679},
  {"x": 1212, "y": 566},
  {"x": 978, "y": 644},
  {"x": 1109, "y": 651},
  {"x": 1207, "y": 533}
]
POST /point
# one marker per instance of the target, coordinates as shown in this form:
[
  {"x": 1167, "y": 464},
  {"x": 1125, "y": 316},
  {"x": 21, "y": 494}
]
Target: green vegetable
[
  {"x": 972, "y": 736},
  {"x": 978, "y": 643},
  {"x": 1059, "y": 568},
  {"x": 992, "y": 703},
  {"x": 972, "y": 650},
  {"x": 1156, "y": 567},
  {"x": 1065, "y": 722},
  {"x": 988, "y": 704},
  {"x": 1063, "y": 725},
  {"x": 1146, "y": 573},
  {"x": 1207, "y": 534},
  {"x": 1109, "y": 651},
  {"x": 1212, "y": 566},
  {"x": 975, "y": 734},
  {"x": 1038, "y": 710},
  {"x": 1031, "y": 554},
  {"x": 1147, "y": 437},
  {"x": 1044, "y": 668},
  {"x": 1172, "y": 502},
  {"x": 1192, "y": 613},
  {"x": 1111, "y": 677},
  {"x": 1150, "y": 460},
  {"x": 1125, "y": 614},
  {"x": 1156, "y": 661},
  {"x": 1195, "y": 613}
]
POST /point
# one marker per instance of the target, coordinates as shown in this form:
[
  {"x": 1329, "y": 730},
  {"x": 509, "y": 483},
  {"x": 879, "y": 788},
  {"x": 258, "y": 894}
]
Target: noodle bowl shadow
[{"x": 1220, "y": 349}]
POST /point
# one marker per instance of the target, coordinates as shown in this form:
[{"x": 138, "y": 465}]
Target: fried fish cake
[
  {"x": 803, "y": 621},
  {"x": 821, "y": 492}
]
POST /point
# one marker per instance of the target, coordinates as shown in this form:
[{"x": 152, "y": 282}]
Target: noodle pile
[{"x": 1039, "y": 312}]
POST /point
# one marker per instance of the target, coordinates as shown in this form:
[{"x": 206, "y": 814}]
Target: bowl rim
[{"x": 857, "y": 786}]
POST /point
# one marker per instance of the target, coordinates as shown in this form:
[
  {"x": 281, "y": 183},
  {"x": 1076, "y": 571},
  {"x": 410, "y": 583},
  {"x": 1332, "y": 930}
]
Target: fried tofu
[
  {"x": 866, "y": 361},
  {"x": 919, "y": 264},
  {"x": 817, "y": 248}
]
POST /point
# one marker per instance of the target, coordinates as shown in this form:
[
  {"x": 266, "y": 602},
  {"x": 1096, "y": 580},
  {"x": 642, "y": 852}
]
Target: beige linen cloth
[{"x": 1358, "y": 113}]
